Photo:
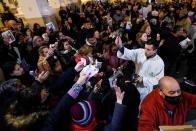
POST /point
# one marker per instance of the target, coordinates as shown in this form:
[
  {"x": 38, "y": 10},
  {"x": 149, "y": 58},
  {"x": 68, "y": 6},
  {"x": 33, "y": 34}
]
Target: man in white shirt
[{"x": 149, "y": 66}]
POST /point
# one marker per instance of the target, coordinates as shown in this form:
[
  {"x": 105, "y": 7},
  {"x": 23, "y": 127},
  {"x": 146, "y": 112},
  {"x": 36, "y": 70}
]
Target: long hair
[
  {"x": 139, "y": 35},
  {"x": 144, "y": 27}
]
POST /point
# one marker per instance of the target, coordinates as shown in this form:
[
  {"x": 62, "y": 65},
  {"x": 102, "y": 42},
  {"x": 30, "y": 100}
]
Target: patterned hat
[{"x": 83, "y": 112}]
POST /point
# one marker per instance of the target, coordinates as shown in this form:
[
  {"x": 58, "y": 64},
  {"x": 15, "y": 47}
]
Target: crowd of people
[{"x": 137, "y": 50}]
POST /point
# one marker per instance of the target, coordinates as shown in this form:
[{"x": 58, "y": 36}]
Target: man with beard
[
  {"x": 168, "y": 106},
  {"x": 92, "y": 43}
]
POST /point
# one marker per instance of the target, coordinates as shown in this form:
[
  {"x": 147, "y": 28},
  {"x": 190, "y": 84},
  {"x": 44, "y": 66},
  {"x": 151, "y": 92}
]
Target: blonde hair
[
  {"x": 144, "y": 27},
  {"x": 42, "y": 64},
  {"x": 85, "y": 50},
  {"x": 40, "y": 50},
  {"x": 139, "y": 35},
  {"x": 127, "y": 18}
]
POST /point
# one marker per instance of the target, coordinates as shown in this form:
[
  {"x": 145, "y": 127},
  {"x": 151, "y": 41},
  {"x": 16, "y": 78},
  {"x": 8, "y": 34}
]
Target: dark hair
[
  {"x": 86, "y": 21},
  {"x": 61, "y": 44},
  {"x": 65, "y": 40},
  {"x": 35, "y": 25},
  {"x": 52, "y": 60},
  {"x": 35, "y": 28},
  {"x": 52, "y": 37},
  {"x": 154, "y": 43},
  {"x": 42, "y": 30},
  {"x": 90, "y": 33},
  {"x": 128, "y": 75},
  {"x": 28, "y": 99},
  {"x": 8, "y": 68},
  {"x": 25, "y": 30}
]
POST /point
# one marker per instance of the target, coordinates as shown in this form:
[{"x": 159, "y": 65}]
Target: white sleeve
[
  {"x": 158, "y": 73},
  {"x": 129, "y": 54}
]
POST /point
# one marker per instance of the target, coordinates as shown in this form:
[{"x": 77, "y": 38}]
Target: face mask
[{"x": 173, "y": 100}]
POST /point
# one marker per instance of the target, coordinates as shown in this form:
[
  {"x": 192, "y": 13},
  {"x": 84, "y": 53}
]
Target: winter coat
[{"x": 157, "y": 114}]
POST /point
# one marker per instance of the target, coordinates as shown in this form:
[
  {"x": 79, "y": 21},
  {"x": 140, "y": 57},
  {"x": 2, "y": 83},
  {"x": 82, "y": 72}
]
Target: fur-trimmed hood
[
  {"x": 22, "y": 121},
  {"x": 18, "y": 119}
]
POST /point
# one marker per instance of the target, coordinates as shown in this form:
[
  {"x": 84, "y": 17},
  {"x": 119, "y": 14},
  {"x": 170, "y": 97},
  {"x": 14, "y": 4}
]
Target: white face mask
[{"x": 128, "y": 25}]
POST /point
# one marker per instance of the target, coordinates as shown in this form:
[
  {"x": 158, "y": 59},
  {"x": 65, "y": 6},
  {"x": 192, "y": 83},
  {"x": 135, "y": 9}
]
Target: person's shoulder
[
  {"x": 159, "y": 59},
  {"x": 141, "y": 50},
  {"x": 151, "y": 98},
  {"x": 188, "y": 98},
  {"x": 187, "y": 95}
]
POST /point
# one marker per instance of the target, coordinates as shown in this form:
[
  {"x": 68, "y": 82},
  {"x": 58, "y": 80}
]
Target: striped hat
[{"x": 83, "y": 112}]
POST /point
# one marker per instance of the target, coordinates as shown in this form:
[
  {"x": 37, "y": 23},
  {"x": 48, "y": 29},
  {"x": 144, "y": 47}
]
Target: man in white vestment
[{"x": 149, "y": 66}]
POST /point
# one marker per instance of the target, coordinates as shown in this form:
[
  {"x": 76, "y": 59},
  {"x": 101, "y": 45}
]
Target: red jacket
[{"x": 154, "y": 111}]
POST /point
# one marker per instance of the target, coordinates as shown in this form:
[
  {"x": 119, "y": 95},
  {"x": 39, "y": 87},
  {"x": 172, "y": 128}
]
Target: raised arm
[
  {"x": 65, "y": 104},
  {"x": 125, "y": 53},
  {"x": 119, "y": 111}
]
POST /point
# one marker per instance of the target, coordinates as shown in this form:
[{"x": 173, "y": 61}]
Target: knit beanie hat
[{"x": 83, "y": 112}]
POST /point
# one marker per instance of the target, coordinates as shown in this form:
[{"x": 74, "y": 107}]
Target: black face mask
[{"x": 173, "y": 100}]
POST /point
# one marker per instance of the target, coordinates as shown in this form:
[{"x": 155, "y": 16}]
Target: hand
[
  {"x": 114, "y": 70},
  {"x": 6, "y": 41},
  {"x": 70, "y": 39},
  {"x": 119, "y": 94},
  {"x": 138, "y": 21},
  {"x": 83, "y": 26},
  {"x": 42, "y": 76},
  {"x": 139, "y": 79},
  {"x": 98, "y": 86},
  {"x": 55, "y": 46},
  {"x": 184, "y": 46},
  {"x": 79, "y": 66},
  {"x": 161, "y": 43},
  {"x": 118, "y": 42},
  {"x": 50, "y": 53},
  {"x": 83, "y": 78},
  {"x": 44, "y": 95}
]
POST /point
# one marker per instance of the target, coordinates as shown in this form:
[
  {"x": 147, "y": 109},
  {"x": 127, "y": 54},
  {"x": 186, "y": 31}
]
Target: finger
[
  {"x": 118, "y": 89},
  {"x": 85, "y": 76},
  {"x": 115, "y": 88},
  {"x": 122, "y": 94},
  {"x": 42, "y": 73},
  {"x": 100, "y": 81},
  {"x": 80, "y": 63},
  {"x": 82, "y": 73},
  {"x": 46, "y": 74},
  {"x": 36, "y": 72},
  {"x": 114, "y": 84}
]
